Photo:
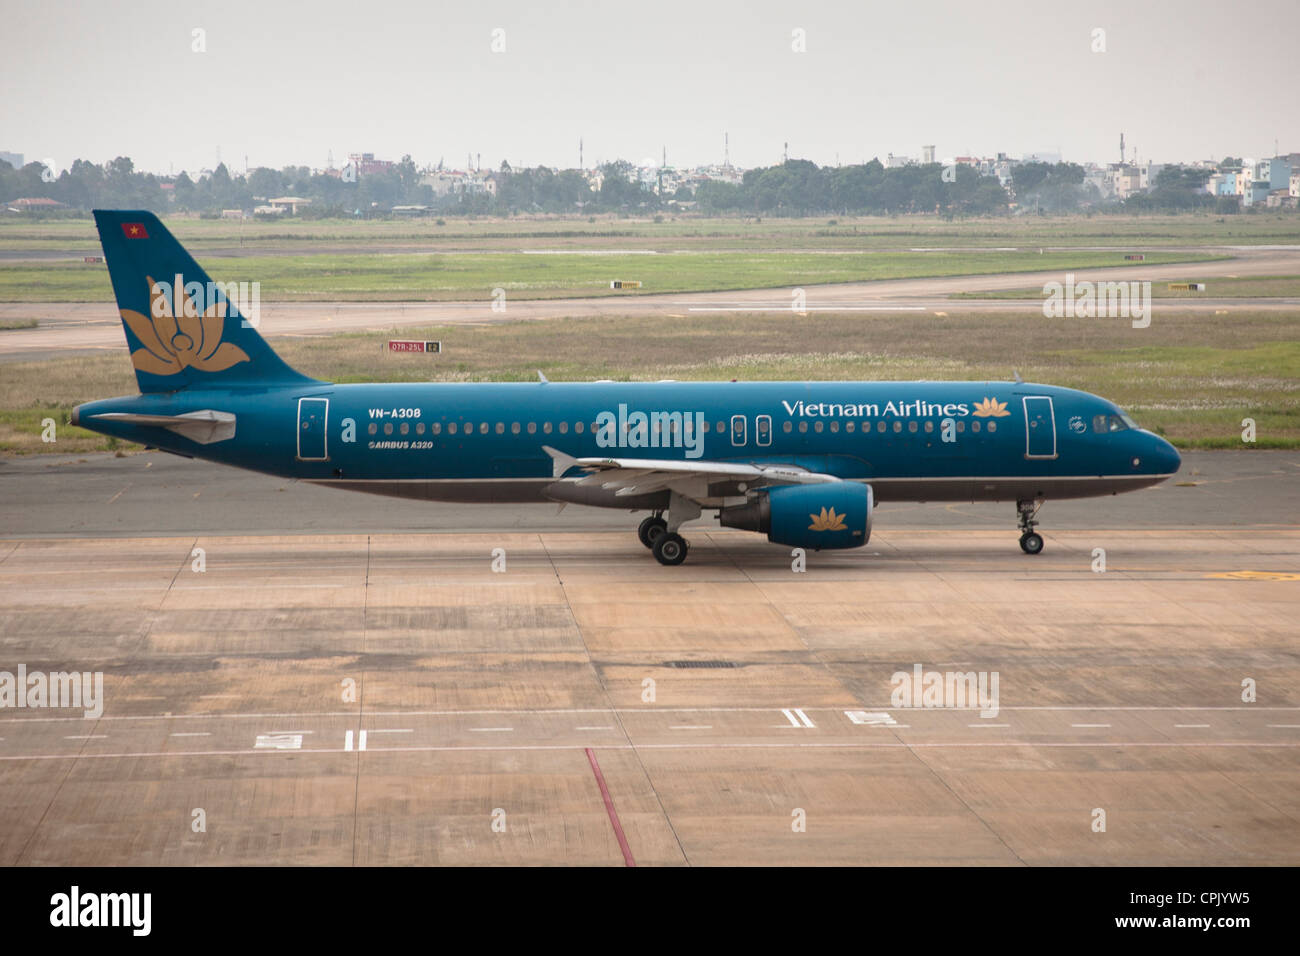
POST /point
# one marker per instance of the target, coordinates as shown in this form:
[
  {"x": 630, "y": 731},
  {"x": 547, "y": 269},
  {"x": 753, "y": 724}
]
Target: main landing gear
[
  {"x": 660, "y": 534},
  {"x": 1031, "y": 542}
]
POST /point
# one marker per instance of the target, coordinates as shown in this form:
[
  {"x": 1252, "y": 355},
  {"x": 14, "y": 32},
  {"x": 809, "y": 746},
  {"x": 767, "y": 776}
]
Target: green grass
[
  {"x": 635, "y": 231},
  {"x": 461, "y": 276},
  {"x": 1191, "y": 376},
  {"x": 8, "y": 325}
]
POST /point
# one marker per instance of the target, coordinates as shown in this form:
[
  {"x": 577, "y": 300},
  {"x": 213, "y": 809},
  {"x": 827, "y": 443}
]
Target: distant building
[
  {"x": 34, "y": 204},
  {"x": 365, "y": 164},
  {"x": 289, "y": 204}
]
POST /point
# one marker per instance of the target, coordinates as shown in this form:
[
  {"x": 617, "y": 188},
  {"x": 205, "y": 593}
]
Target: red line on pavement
[{"x": 609, "y": 808}]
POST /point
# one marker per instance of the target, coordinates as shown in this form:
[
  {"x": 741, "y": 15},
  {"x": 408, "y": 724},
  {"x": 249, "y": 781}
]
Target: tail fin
[{"x": 183, "y": 330}]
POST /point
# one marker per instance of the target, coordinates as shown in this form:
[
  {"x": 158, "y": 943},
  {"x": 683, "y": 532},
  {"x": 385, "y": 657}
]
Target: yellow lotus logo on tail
[
  {"x": 176, "y": 335},
  {"x": 990, "y": 408},
  {"x": 827, "y": 521}
]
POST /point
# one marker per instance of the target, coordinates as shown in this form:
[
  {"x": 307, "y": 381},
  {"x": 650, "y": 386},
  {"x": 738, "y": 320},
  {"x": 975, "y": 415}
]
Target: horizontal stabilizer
[{"x": 204, "y": 427}]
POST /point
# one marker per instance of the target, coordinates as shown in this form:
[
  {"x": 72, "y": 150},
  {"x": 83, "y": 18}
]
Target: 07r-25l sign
[{"x": 411, "y": 345}]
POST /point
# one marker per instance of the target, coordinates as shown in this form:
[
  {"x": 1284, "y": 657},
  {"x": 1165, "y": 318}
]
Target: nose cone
[{"x": 1162, "y": 457}]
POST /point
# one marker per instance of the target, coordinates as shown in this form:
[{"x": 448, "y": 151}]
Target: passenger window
[
  {"x": 849, "y": 426},
  {"x": 929, "y": 427},
  {"x": 818, "y": 426},
  {"x": 406, "y": 428},
  {"x": 564, "y": 428},
  {"x": 974, "y": 426},
  {"x": 835, "y": 426},
  {"x": 787, "y": 427},
  {"x": 880, "y": 426},
  {"x": 704, "y": 427},
  {"x": 803, "y": 427},
  {"x": 436, "y": 428},
  {"x": 388, "y": 428},
  {"x": 483, "y": 428},
  {"x": 993, "y": 426},
  {"x": 532, "y": 428},
  {"x": 546, "y": 427},
  {"x": 911, "y": 427},
  {"x": 373, "y": 428},
  {"x": 898, "y": 427},
  {"x": 961, "y": 426},
  {"x": 501, "y": 428},
  {"x": 577, "y": 427},
  {"x": 451, "y": 428},
  {"x": 419, "y": 428}
]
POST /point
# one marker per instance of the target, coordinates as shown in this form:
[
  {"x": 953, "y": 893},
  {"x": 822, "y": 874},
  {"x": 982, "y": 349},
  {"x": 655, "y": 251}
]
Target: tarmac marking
[
  {"x": 1090, "y": 725},
  {"x": 393, "y": 730},
  {"x": 728, "y": 745},
  {"x": 1286, "y": 726},
  {"x": 575, "y": 728},
  {"x": 491, "y": 730},
  {"x": 798, "y": 719},
  {"x": 192, "y": 733},
  {"x": 1191, "y": 725},
  {"x": 85, "y": 737},
  {"x": 989, "y": 725},
  {"x": 692, "y": 727},
  {"x": 609, "y": 808},
  {"x": 218, "y": 715}
]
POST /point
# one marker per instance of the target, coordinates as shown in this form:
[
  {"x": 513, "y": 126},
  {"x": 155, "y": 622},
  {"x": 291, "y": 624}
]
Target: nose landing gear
[{"x": 1031, "y": 542}]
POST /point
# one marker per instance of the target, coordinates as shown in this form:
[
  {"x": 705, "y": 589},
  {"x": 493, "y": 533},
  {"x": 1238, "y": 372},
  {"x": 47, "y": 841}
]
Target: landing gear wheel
[
  {"x": 1031, "y": 542},
  {"x": 670, "y": 548},
  {"x": 650, "y": 530}
]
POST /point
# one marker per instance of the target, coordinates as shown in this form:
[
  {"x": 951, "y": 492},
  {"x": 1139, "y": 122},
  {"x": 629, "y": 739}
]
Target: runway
[
  {"x": 387, "y": 697},
  {"x": 71, "y": 328}
]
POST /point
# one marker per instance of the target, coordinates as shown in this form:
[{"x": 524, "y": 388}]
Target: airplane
[{"x": 804, "y": 463}]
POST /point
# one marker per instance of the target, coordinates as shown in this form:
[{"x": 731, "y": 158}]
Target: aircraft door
[
  {"x": 313, "y": 417},
  {"x": 1040, "y": 427}
]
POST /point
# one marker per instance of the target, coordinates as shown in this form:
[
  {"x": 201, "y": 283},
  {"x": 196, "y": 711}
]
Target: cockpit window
[{"x": 1112, "y": 423}]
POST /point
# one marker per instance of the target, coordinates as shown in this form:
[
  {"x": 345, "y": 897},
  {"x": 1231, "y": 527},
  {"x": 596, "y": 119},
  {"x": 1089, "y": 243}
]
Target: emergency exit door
[{"x": 313, "y": 417}]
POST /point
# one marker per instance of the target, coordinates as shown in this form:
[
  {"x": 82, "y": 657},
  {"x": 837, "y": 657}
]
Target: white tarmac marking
[
  {"x": 729, "y": 745},
  {"x": 988, "y": 725},
  {"x": 193, "y": 733},
  {"x": 278, "y": 742},
  {"x": 575, "y": 728},
  {"x": 361, "y": 740},
  {"x": 810, "y": 308},
  {"x": 1191, "y": 725},
  {"x": 692, "y": 727},
  {"x": 802, "y": 720},
  {"x": 1287, "y": 726},
  {"x": 491, "y": 730},
  {"x": 347, "y": 741},
  {"x": 85, "y": 737},
  {"x": 1090, "y": 725},
  {"x": 392, "y": 730},
  {"x": 584, "y": 710}
]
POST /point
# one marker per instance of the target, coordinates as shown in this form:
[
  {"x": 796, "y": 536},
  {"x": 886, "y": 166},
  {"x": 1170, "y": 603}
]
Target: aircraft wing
[{"x": 690, "y": 479}]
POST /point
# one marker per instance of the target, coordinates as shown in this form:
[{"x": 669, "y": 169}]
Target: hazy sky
[{"x": 287, "y": 83}]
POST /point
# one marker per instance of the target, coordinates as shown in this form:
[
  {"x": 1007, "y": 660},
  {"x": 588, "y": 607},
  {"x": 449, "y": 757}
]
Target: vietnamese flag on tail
[{"x": 135, "y": 230}]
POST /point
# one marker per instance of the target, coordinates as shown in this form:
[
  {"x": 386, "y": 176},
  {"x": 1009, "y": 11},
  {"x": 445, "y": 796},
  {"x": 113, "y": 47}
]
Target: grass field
[
  {"x": 1191, "y": 376},
  {"x": 674, "y": 231},
  {"x": 459, "y": 276}
]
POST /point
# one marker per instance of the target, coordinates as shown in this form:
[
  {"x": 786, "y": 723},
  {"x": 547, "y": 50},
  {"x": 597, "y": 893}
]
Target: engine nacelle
[{"x": 832, "y": 515}]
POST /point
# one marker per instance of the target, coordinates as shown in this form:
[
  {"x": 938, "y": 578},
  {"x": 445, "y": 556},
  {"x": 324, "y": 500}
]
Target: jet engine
[{"x": 830, "y": 515}]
